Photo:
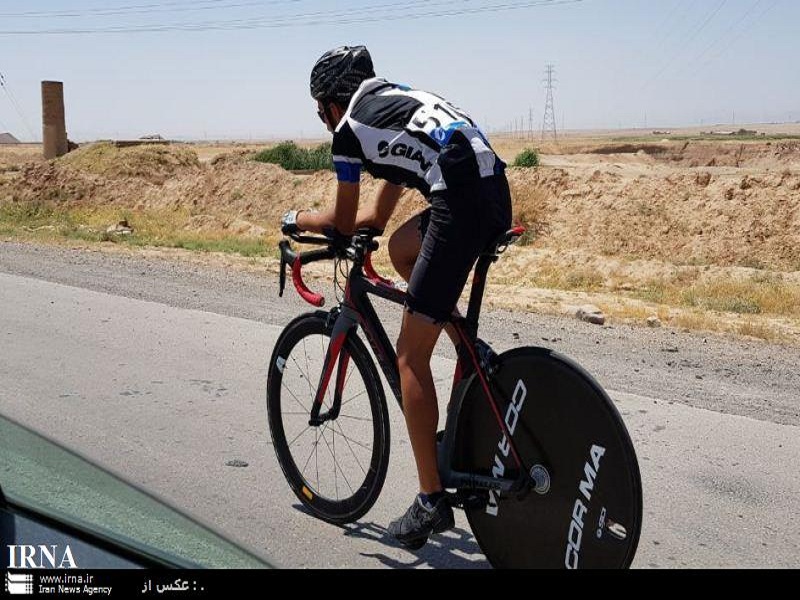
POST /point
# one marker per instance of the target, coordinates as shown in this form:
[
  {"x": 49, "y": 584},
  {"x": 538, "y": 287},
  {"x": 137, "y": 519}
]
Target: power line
[
  {"x": 729, "y": 30},
  {"x": 279, "y": 21},
  {"x": 671, "y": 14},
  {"x": 732, "y": 40},
  {"x": 275, "y": 21},
  {"x": 667, "y": 24},
  {"x": 671, "y": 27},
  {"x": 253, "y": 22},
  {"x": 57, "y": 13},
  {"x": 686, "y": 41},
  {"x": 308, "y": 19},
  {"x": 17, "y": 108},
  {"x": 146, "y": 9},
  {"x": 704, "y": 24}
]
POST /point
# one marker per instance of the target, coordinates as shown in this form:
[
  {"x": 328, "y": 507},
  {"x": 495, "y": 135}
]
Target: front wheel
[
  {"x": 337, "y": 468},
  {"x": 588, "y": 510}
]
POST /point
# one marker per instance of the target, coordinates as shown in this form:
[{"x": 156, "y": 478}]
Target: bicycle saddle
[{"x": 505, "y": 240}]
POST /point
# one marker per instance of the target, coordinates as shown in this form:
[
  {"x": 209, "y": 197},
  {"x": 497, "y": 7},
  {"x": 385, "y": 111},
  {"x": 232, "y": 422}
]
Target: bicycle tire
[
  {"x": 591, "y": 515},
  {"x": 321, "y": 502}
]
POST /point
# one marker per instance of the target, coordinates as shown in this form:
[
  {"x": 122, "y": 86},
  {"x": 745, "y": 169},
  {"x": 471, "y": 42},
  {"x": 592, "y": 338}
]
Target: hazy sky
[{"x": 242, "y": 70}]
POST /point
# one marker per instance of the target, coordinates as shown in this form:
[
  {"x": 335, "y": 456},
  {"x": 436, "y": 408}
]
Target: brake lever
[{"x": 283, "y": 245}]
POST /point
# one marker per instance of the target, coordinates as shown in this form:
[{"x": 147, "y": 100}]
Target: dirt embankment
[
  {"x": 685, "y": 217},
  {"x": 693, "y": 154},
  {"x": 634, "y": 205}
]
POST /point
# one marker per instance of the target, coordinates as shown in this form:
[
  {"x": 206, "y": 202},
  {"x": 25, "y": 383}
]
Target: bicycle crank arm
[{"x": 482, "y": 482}]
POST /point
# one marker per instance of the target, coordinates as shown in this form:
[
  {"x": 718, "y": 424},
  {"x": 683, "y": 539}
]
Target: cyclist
[{"x": 411, "y": 139}]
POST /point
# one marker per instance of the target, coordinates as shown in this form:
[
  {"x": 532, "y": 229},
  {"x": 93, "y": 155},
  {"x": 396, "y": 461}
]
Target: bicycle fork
[{"x": 345, "y": 322}]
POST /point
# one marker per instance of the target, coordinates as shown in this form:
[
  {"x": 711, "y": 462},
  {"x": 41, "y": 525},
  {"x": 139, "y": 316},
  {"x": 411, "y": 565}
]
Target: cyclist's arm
[
  {"x": 342, "y": 216},
  {"x": 378, "y": 215}
]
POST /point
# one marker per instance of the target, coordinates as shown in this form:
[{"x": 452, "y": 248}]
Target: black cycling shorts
[{"x": 460, "y": 224}]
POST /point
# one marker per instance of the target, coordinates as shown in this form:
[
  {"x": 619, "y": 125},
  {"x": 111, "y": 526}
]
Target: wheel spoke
[
  {"x": 308, "y": 460},
  {"x": 335, "y": 482},
  {"x": 347, "y": 441},
  {"x": 316, "y": 455},
  {"x": 289, "y": 445},
  {"x": 356, "y": 418},
  {"x": 348, "y": 438},
  {"x": 291, "y": 393},
  {"x": 336, "y": 463},
  {"x": 307, "y": 372},
  {"x": 350, "y": 374},
  {"x": 359, "y": 394}
]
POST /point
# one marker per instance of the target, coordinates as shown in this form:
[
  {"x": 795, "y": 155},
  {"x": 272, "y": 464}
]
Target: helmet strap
[{"x": 326, "y": 107}]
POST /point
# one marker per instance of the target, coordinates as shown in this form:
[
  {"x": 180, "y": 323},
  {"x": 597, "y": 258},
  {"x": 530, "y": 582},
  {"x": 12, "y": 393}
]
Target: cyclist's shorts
[{"x": 460, "y": 224}]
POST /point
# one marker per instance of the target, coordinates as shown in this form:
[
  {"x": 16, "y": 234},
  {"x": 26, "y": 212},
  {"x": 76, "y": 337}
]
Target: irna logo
[
  {"x": 24, "y": 556},
  {"x": 18, "y": 584}
]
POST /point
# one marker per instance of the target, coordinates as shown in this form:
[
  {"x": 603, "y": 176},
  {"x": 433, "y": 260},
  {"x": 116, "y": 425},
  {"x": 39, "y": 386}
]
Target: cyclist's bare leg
[
  {"x": 420, "y": 407},
  {"x": 404, "y": 247}
]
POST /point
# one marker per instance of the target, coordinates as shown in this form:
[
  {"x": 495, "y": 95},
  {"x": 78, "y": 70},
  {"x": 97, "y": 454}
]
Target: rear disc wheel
[{"x": 572, "y": 438}]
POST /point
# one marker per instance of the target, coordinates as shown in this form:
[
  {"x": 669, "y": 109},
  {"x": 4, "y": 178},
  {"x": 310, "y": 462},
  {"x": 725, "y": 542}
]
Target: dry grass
[
  {"x": 755, "y": 295},
  {"x": 20, "y": 154},
  {"x": 531, "y": 209},
  {"x": 49, "y": 221},
  {"x": 151, "y": 162},
  {"x": 726, "y": 291},
  {"x": 572, "y": 278},
  {"x": 755, "y": 326},
  {"x": 636, "y": 312},
  {"x": 762, "y": 331}
]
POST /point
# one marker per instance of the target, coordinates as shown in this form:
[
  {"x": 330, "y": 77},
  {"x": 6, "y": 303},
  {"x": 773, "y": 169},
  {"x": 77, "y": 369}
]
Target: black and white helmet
[{"x": 339, "y": 73}]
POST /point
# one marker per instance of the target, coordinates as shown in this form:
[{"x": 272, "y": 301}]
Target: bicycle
[{"x": 534, "y": 451}]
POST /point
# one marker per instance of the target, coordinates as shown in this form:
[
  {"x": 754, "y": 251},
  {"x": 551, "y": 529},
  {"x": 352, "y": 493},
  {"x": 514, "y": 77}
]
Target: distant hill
[{"x": 7, "y": 138}]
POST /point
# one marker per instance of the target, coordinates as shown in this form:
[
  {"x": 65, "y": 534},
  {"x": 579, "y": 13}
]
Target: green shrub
[
  {"x": 527, "y": 158},
  {"x": 293, "y": 158}
]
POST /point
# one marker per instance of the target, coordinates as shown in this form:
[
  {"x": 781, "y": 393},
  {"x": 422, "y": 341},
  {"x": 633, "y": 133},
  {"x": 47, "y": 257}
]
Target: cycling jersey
[{"x": 411, "y": 138}]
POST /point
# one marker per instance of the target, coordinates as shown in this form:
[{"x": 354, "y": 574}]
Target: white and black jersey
[{"x": 411, "y": 138}]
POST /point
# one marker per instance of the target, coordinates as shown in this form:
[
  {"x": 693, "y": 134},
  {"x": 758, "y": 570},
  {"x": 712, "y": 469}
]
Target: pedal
[{"x": 468, "y": 500}]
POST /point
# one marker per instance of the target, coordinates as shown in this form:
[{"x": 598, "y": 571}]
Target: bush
[
  {"x": 527, "y": 158},
  {"x": 293, "y": 158}
]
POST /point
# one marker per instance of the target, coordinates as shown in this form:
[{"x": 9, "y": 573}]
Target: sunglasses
[{"x": 321, "y": 115}]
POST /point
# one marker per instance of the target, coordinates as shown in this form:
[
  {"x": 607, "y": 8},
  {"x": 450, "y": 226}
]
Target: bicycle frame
[{"x": 356, "y": 309}]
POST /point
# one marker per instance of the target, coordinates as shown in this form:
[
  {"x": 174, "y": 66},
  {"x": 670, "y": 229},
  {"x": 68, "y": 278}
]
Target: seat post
[
  {"x": 479, "y": 279},
  {"x": 478, "y": 289}
]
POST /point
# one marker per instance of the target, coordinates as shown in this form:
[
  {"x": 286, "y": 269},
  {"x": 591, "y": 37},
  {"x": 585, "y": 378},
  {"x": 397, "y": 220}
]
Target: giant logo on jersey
[{"x": 401, "y": 150}]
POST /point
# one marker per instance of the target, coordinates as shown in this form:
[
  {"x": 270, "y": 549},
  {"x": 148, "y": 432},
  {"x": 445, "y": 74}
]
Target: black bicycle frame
[{"x": 356, "y": 309}]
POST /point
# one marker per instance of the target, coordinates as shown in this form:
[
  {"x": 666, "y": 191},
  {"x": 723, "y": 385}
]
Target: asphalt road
[{"x": 156, "y": 369}]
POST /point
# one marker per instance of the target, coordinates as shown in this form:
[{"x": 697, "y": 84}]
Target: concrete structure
[{"x": 53, "y": 120}]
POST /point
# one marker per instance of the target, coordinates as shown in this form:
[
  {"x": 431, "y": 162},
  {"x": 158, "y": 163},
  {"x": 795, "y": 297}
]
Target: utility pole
[
  {"x": 549, "y": 123},
  {"x": 530, "y": 123}
]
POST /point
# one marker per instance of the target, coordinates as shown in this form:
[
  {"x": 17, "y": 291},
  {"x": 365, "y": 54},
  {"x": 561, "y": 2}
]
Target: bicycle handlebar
[
  {"x": 297, "y": 261},
  {"x": 338, "y": 246}
]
